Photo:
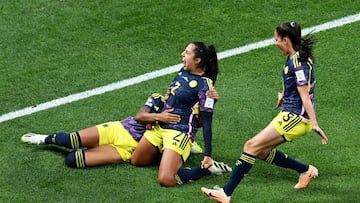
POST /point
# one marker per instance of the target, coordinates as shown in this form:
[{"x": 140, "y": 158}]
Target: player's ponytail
[
  {"x": 306, "y": 48},
  {"x": 213, "y": 68},
  {"x": 209, "y": 60}
]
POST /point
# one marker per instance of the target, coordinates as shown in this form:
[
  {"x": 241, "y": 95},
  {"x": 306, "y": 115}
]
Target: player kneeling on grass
[
  {"x": 112, "y": 142},
  {"x": 174, "y": 141}
]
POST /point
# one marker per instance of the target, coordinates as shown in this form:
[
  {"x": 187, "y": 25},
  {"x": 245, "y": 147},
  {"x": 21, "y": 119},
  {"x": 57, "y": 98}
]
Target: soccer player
[
  {"x": 174, "y": 141},
  {"x": 113, "y": 142},
  {"x": 107, "y": 143},
  {"x": 296, "y": 119}
]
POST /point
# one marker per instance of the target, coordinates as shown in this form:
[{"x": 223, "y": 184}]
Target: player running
[{"x": 296, "y": 119}]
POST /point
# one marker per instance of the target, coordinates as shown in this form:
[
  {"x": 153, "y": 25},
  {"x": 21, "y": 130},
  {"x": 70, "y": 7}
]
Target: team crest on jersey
[
  {"x": 193, "y": 83},
  {"x": 286, "y": 69}
]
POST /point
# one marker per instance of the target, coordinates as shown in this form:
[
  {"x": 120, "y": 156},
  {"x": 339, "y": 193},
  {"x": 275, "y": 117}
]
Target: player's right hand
[
  {"x": 167, "y": 117},
  {"x": 280, "y": 100}
]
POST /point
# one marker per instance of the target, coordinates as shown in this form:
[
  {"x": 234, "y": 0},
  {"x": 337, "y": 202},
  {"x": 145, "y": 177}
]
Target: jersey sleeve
[
  {"x": 155, "y": 102},
  {"x": 301, "y": 74},
  {"x": 206, "y": 103}
]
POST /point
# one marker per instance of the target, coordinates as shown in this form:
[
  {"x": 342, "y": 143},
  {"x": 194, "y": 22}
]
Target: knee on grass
[{"x": 166, "y": 180}]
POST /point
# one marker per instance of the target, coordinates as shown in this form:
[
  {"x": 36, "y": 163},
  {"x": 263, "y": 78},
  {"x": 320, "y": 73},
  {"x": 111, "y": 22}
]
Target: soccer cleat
[
  {"x": 218, "y": 168},
  {"x": 216, "y": 194},
  {"x": 196, "y": 149},
  {"x": 306, "y": 177},
  {"x": 32, "y": 138}
]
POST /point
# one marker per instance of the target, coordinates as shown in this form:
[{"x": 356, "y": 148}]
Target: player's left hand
[
  {"x": 213, "y": 94},
  {"x": 319, "y": 131},
  {"x": 206, "y": 162}
]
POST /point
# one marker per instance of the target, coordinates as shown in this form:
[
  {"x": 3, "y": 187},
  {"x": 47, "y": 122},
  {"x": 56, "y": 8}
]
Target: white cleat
[
  {"x": 218, "y": 168},
  {"x": 196, "y": 148},
  {"x": 33, "y": 138}
]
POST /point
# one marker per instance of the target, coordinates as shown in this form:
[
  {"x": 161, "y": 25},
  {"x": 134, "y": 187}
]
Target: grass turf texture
[{"x": 53, "y": 49}]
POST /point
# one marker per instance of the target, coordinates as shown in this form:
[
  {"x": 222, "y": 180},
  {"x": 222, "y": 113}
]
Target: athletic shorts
[
  {"x": 114, "y": 134},
  {"x": 291, "y": 126},
  {"x": 169, "y": 139}
]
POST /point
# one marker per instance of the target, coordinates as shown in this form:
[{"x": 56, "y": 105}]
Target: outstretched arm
[{"x": 305, "y": 98}]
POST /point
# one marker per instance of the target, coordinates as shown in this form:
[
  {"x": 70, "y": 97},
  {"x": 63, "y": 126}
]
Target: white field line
[{"x": 165, "y": 71}]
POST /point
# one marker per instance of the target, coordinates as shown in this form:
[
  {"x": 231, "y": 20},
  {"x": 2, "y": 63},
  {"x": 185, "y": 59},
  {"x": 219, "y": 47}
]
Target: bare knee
[
  {"x": 134, "y": 161},
  {"x": 252, "y": 147},
  {"x": 166, "y": 180},
  {"x": 257, "y": 149},
  {"x": 250, "y": 144},
  {"x": 137, "y": 162}
]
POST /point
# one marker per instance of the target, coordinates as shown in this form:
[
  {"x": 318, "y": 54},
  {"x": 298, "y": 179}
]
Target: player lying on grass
[{"x": 113, "y": 142}]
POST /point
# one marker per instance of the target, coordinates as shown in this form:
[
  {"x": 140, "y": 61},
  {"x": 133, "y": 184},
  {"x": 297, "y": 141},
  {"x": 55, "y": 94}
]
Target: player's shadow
[{"x": 54, "y": 148}]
